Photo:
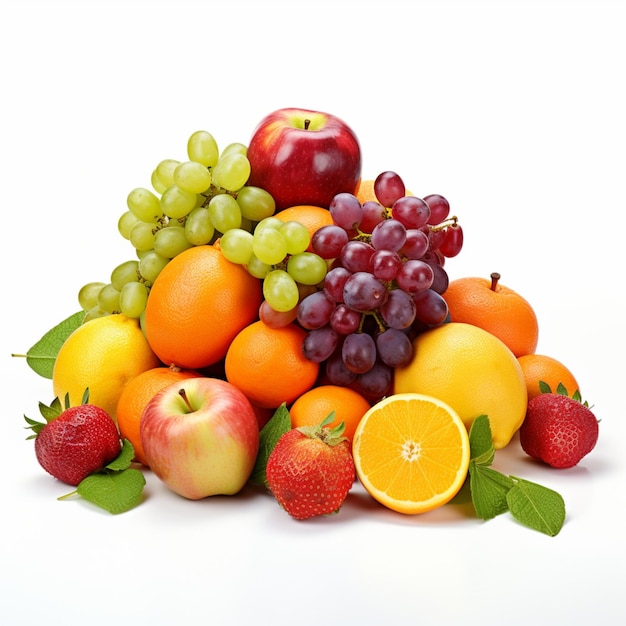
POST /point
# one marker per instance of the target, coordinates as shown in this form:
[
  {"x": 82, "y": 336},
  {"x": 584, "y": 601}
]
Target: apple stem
[
  {"x": 495, "y": 277},
  {"x": 307, "y": 124},
  {"x": 183, "y": 394}
]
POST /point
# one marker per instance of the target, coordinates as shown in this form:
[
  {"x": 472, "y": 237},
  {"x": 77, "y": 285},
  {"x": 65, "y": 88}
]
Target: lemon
[
  {"x": 103, "y": 355},
  {"x": 472, "y": 371}
]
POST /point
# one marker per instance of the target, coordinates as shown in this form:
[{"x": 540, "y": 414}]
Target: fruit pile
[{"x": 288, "y": 324}]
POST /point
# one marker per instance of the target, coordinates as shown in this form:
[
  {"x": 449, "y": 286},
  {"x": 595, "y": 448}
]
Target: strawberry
[
  {"x": 558, "y": 430},
  {"x": 310, "y": 470},
  {"x": 75, "y": 442}
]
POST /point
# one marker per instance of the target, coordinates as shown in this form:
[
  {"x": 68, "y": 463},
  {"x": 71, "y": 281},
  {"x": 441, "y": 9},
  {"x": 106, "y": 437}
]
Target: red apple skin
[
  {"x": 205, "y": 450},
  {"x": 304, "y": 166}
]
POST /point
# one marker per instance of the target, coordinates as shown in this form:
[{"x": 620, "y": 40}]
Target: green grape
[
  {"x": 236, "y": 245},
  {"x": 192, "y": 177},
  {"x": 171, "y": 241},
  {"x": 255, "y": 203},
  {"x": 133, "y": 298},
  {"x": 257, "y": 268},
  {"x": 151, "y": 264},
  {"x": 280, "y": 290},
  {"x": 224, "y": 212},
  {"x": 269, "y": 222},
  {"x": 176, "y": 203},
  {"x": 165, "y": 172},
  {"x": 94, "y": 313},
  {"x": 144, "y": 204},
  {"x": 142, "y": 236},
  {"x": 88, "y": 295},
  {"x": 125, "y": 272},
  {"x": 126, "y": 222},
  {"x": 234, "y": 148},
  {"x": 199, "y": 227},
  {"x": 231, "y": 171},
  {"x": 109, "y": 299},
  {"x": 202, "y": 148},
  {"x": 297, "y": 236},
  {"x": 307, "y": 268},
  {"x": 156, "y": 183},
  {"x": 269, "y": 245}
]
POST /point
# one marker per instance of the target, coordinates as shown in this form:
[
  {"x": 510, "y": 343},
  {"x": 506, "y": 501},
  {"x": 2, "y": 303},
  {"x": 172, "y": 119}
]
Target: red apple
[
  {"x": 304, "y": 157},
  {"x": 200, "y": 437}
]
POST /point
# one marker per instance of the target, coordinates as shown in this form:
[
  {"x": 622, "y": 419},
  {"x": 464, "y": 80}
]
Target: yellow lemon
[
  {"x": 472, "y": 371},
  {"x": 103, "y": 355}
]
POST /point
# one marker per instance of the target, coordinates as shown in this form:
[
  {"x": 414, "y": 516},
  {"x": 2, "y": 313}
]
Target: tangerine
[
  {"x": 313, "y": 217},
  {"x": 196, "y": 306},
  {"x": 268, "y": 365},
  {"x": 136, "y": 395},
  {"x": 539, "y": 367},
  {"x": 503, "y": 312},
  {"x": 314, "y": 405},
  {"x": 411, "y": 452}
]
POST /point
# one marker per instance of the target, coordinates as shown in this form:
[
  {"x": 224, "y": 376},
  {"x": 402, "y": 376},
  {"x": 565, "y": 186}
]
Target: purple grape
[
  {"x": 346, "y": 210},
  {"x": 345, "y": 320},
  {"x": 388, "y": 187},
  {"x": 355, "y": 256},
  {"x": 315, "y": 310},
  {"x": 416, "y": 244},
  {"x": 439, "y": 208},
  {"x": 319, "y": 344},
  {"x": 328, "y": 241},
  {"x": 452, "y": 241},
  {"x": 376, "y": 383},
  {"x": 359, "y": 352},
  {"x": 411, "y": 211},
  {"x": 334, "y": 282},
  {"x": 385, "y": 264},
  {"x": 373, "y": 213},
  {"x": 388, "y": 235},
  {"x": 430, "y": 307},
  {"x": 414, "y": 276},
  {"x": 399, "y": 310},
  {"x": 440, "y": 278},
  {"x": 336, "y": 370},
  {"x": 364, "y": 292},
  {"x": 435, "y": 239},
  {"x": 394, "y": 347}
]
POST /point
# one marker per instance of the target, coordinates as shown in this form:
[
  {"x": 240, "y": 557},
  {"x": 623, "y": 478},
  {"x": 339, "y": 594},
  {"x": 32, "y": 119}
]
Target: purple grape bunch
[{"x": 384, "y": 284}]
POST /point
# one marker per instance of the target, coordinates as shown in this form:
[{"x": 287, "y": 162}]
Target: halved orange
[{"x": 411, "y": 452}]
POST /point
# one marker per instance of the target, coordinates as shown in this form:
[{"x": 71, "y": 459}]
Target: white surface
[{"x": 513, "y": 110}]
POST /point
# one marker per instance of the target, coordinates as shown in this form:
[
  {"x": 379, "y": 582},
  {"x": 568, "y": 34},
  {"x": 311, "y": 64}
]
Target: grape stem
[
  {"x": 451, "y": 221},
  {"x": 379, "y": 321}
]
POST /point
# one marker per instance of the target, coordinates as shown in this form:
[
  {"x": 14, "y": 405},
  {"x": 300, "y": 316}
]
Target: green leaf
[
  {"x": 116, "y": 492},
  {"x": 42, "y": 355},
  {"x": 125, "y": 458},
  {"x": 489, "y": 489},
  {"x": 544, "y": 387},
  {"x": 482, "y": 451},
  {"x": 277, "y": 426},
  {"x": 536, "y": 506}
]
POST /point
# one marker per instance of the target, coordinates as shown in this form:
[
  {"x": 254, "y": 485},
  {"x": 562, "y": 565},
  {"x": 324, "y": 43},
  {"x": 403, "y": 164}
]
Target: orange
[
  {"x": 268, "y": 366},
  {"x": 539, "y": 367},
  {"x": 365, "y": 191},
  {"x": 498, "y": 309},
  {"x": 196, "y": 306},
  {"x": 411, "y": 453},
  {"x": 137, "y": 393},
  {"x": 472, "y": 371},
  {"x": 103, "y": 354},
  {"x": 313, "y": 217},
  {"x": 313, "y": 406}
]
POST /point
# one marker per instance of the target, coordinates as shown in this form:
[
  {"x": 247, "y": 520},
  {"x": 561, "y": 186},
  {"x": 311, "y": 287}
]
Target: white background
[{"x": 513, "y": 110}]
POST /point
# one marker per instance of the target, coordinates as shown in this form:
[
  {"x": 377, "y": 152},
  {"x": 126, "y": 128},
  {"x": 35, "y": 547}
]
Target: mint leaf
[
  {"x": 536, "y": 506},
  {"x": 116, "y": 492},
  {"x": 482, "y": 451},
  {"x": 489, "y": 489},
  {"x": 125, "y": 458},
  {"x": 42, "y": 355},
  {"x": 278, "y": 424}
]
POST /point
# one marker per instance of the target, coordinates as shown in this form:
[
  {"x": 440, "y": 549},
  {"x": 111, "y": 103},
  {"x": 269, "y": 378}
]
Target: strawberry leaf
[
  {"x": 278, "y": 424},
  {"x": 116, "y": 492}
]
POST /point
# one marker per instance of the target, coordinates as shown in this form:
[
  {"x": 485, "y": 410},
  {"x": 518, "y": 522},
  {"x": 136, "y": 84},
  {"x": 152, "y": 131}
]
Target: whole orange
[
  {"x": 313, "y": 217},
  {"x": 539, "y": 367},
  {"x": 314, "y": 405},
  {"x": 503, "y": 312},
  {"x": 136, "y": 395},
  {"x": 196, "y": 306},
  {"x": 268, "y": 366}
]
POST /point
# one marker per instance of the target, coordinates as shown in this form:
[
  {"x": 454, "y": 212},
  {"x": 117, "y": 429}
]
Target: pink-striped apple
[
  {"x": 301, "y": 156},
  {"x": 200, "y": 437}
]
